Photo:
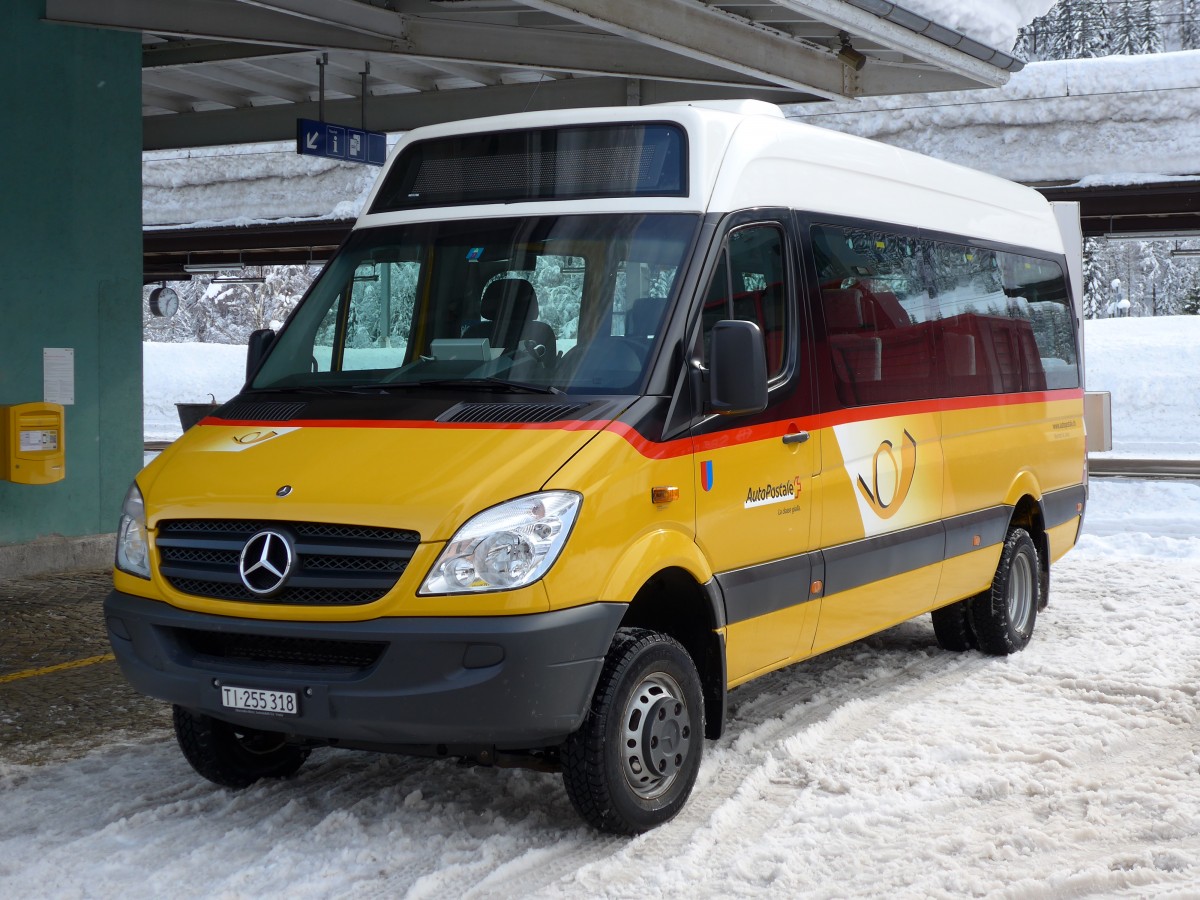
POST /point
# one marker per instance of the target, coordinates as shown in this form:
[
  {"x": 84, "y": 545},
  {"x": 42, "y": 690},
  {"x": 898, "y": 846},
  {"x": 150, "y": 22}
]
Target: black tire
[
  {"x": 233, "y": 756},
  {"x": 1003, "y": 617},
  {"x": 952, "y": 627},
  {"x": 633, "y": 761}
]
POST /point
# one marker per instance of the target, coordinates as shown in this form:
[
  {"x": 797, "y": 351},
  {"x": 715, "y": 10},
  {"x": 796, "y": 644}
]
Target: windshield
[{"x": 554, "y": 303}]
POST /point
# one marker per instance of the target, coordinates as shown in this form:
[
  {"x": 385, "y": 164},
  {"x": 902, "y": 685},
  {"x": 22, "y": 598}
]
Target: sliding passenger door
[
  {"x": 754, "y": 474},
  {"x": 882, "y": 470}
]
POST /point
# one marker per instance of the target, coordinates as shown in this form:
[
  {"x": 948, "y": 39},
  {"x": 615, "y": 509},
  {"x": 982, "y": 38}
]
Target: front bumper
[{"x": 510, "y": 682}]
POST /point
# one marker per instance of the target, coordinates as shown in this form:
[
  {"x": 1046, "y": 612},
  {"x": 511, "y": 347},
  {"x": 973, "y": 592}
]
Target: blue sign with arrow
[{"x": 339, "y": 142}]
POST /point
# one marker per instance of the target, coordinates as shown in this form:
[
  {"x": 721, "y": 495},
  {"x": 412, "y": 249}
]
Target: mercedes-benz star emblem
[{"x": 266, "y": 562}]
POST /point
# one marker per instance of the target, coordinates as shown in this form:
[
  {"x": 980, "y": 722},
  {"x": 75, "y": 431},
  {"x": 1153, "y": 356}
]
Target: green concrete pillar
[{"x": 70, "y": 259}]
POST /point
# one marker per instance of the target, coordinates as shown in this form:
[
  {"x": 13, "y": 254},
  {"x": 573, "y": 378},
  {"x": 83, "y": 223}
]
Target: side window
[
  {"x": 377, "y": 320},
  {"x": 1038, "y": 289},
  {"x": 910, "y": 318},
  {"x": 750, "y": 283}
]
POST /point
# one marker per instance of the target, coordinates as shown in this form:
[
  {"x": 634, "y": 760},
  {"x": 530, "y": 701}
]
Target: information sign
[{"x": 315, "y": 138}]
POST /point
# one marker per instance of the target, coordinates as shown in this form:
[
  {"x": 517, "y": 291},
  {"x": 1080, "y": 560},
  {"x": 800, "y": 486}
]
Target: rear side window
[{"x": 909, "y": 318}]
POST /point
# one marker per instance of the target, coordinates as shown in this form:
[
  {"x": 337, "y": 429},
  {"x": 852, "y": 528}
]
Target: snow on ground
[{"x": 886, "y": 768}]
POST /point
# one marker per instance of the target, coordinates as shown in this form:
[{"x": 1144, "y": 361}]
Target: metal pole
[
  {"x": 321, "y": 64},
  {"x": 363, "y": 114}
]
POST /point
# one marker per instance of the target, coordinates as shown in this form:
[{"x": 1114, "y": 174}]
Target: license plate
[{"x": 278, "y": 703}]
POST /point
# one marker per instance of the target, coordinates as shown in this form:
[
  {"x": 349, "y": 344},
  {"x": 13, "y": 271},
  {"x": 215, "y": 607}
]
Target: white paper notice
[{"x": 58, "y": 375}]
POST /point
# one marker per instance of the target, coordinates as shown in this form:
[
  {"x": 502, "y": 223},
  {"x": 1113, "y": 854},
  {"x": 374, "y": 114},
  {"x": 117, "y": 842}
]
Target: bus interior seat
[
  {"x": 509, "y": 310},
  {"x": 843, "y": 310},
  {"x": 644, "y": 317}
]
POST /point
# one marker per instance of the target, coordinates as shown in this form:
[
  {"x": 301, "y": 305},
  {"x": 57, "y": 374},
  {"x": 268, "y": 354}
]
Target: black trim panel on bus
[
  {"x": 1061, "y": 506},
  {"x": 758, "y": 590},
  {"x": 989, "y": 525},
  {"x": 860, "y": 563}
]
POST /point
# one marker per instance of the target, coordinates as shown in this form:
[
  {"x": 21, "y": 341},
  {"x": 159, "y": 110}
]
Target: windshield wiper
[{"x": 486, "y": 381}]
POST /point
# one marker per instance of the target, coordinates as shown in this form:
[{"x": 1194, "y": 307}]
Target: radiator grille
[{"x": 335, "y": 565}]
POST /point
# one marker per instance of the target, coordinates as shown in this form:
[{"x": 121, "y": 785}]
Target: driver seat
[{"x": 509, "y": 311}]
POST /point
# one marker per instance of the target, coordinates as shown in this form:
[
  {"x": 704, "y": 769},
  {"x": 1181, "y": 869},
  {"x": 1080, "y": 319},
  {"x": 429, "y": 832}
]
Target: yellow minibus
[{"x": 596, "y": 415}]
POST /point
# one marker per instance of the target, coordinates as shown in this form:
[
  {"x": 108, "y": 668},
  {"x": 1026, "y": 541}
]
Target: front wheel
[
  {"x": 233, "y": 756},
  {"x": 1002, "y": 618},
  {"x": 632, "y": 763}
]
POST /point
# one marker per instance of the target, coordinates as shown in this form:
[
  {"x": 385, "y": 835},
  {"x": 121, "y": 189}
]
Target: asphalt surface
[{"x": 61, "y": 692}]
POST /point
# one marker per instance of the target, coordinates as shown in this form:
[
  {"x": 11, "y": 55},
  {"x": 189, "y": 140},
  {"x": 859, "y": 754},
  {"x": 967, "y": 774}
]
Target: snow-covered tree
[
  {"x": 1189, "y": 26},
  {"x": 1125, "y": 30},
  {"x": 1094, "y": 32},
  {"x": 1149, "y": 33},
  {"x": 223, "y": 313}
]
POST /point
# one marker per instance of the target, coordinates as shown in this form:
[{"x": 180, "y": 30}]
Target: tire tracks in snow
[{"x": 840, "y": 703}]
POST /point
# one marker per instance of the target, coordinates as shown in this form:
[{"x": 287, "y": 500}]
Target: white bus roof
[{"x": 746, "y": 154}]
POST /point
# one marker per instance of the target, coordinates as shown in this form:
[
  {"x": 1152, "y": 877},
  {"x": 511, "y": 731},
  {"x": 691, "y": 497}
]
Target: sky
[{"x": 886, "y": 768}]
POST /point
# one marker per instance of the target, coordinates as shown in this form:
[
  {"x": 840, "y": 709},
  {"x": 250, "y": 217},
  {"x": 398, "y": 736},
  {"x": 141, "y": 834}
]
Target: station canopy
[{"x": 236, "y": 71}]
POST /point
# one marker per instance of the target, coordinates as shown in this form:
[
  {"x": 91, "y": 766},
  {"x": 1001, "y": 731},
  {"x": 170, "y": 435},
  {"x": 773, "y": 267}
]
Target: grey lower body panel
[{"x": 512, "y": 682}]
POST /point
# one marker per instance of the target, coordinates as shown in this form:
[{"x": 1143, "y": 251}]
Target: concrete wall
[{"x": 70, "y": 261}]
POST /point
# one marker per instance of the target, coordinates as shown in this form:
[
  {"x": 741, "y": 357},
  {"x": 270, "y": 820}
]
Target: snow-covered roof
[
  {"x": 249, "y": 184},
  {"x": 239, "y": 70},
  {"x": 1113, "y": 120}
]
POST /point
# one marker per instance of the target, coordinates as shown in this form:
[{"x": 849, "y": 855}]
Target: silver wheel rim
[
  {"x": 1020, "y": 592},
  {"x": 656, "y": 735}
]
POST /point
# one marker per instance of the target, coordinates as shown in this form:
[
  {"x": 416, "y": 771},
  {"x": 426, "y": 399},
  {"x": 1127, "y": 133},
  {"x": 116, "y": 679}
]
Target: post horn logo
[{"x": 903, "y": 471}]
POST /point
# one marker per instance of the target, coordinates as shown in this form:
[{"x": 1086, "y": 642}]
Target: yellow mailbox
[{"x": 32, "y": 449}]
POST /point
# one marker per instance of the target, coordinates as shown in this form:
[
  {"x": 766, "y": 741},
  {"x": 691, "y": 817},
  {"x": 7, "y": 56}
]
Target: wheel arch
[
  {"x": 674, "y": 603},
  {"x": 1029, "y": 514}
]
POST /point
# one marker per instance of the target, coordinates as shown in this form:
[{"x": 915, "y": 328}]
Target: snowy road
[{"x": 886, "y": 768}]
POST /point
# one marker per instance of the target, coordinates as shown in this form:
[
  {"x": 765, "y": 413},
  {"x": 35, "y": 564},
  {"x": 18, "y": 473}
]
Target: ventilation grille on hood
[
  {"x": 511, "y": 412},
  {"x": 262, "y": 411}
]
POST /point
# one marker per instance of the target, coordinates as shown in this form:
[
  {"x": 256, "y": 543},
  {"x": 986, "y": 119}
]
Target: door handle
[{"x": 796, "y": 437}]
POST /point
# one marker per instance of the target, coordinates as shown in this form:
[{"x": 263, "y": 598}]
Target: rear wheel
[
  {"x": 952, "y": 627},
  {"x": 632, "y": 763},
  {"x": 1003, "y": 618},
  {"x": 233, "y": 756}
]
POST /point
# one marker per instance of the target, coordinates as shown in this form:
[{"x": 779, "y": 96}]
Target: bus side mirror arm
[
  {"x": 737, "y": 376},
  {"x": 256, "y": 350}
]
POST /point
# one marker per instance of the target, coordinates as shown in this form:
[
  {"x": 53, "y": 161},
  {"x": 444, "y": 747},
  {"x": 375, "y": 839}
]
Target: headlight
[
  {"x": 505, "y": 547},
  {"x": 133, "y": 543}
]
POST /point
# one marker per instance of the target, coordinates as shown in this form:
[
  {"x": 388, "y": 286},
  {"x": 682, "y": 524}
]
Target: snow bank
[
  {"x": 1149, "y": 366},
  {"x": 185, "y": 373}
]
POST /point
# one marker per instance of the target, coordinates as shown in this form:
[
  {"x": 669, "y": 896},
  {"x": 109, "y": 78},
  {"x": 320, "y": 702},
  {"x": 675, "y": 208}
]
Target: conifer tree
[
  {"x": 1125, "y": 30},
  {"x": 1189, "y": 28},
  {"x": 1149, "y": 34},
  {"x": 1094, "y": 37}
]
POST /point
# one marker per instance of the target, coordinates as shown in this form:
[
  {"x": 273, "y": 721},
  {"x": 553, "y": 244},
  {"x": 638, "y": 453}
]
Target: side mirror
[
  {"x": 256, "y": 350},
  {"x": 737, "y": 374}
]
